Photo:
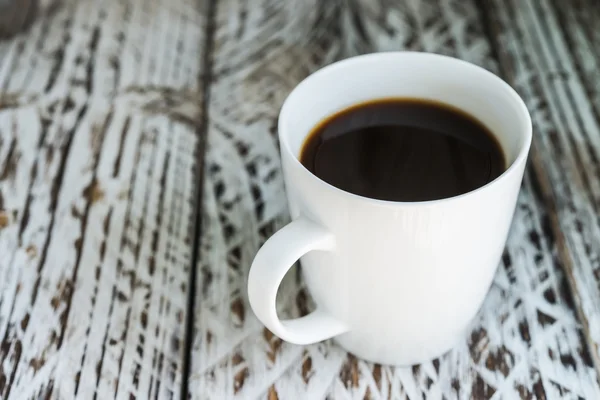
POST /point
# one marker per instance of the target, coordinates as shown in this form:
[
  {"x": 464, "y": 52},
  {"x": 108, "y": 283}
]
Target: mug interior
[{"x": 407, "y": 75}]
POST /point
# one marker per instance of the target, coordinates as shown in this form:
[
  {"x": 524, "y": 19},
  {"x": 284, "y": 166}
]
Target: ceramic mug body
[{"x": 394, "y": 282}]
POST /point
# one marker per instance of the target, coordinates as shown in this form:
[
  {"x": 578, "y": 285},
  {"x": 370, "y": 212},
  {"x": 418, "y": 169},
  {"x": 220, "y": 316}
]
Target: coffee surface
[{"x": 403, "y": 150}]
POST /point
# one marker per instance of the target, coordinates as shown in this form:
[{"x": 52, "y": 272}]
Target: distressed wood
[
  {"x": 560, "y": 42},
  {"x": 98, "y": 112},
  {"x": 526, "y": 341},
  {"x": 100, "y": 109}
]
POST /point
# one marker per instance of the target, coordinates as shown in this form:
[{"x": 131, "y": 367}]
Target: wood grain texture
[
  {"x": 526, "y": 341},
  {"x": 560, "y": 42},
  {"x": 98, "y": 107}
]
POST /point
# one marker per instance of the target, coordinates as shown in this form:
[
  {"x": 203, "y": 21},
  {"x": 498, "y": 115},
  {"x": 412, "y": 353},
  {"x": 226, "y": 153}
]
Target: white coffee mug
[{"x": 394, "y": 282}]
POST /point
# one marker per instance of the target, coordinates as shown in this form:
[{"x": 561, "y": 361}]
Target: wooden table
[{"x": 139, "y": 174}]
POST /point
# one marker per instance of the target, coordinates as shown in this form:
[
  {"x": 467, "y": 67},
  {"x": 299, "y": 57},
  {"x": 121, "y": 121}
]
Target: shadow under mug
[{"x": 394, "y": 282}]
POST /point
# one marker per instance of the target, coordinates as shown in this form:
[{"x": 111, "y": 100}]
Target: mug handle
[{"x": 270, "y": 265}]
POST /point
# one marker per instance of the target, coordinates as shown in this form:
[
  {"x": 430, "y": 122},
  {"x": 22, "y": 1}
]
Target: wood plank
[
  {"x": 98, "y": 113},
  {"x": 578, "y": 27},
  {"x": 557, "y": 40},
  {"x": 526, "y": 341}
]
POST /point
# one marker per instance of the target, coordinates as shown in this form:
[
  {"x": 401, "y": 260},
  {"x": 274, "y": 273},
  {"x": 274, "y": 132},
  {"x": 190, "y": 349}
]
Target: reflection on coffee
[{"x": 403, "y": 150}]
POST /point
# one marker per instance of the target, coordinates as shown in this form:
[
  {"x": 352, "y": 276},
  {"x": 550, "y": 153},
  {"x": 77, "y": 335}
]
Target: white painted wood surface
[
  {"x": 102, "y": 132},
  {"x": 98, "y": 111},
  {"x": 560, "y": 42}
]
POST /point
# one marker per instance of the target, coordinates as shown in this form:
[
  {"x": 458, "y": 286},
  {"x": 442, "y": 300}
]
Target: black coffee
[{"x": 403, "y": 150}]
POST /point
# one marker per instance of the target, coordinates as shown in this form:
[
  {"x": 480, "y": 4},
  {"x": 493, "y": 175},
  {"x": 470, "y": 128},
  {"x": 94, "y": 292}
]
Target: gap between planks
[{"x": 201, "y": 133}]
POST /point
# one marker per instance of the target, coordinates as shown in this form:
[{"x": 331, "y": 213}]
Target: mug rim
[{"x": 506, "y": 174}]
